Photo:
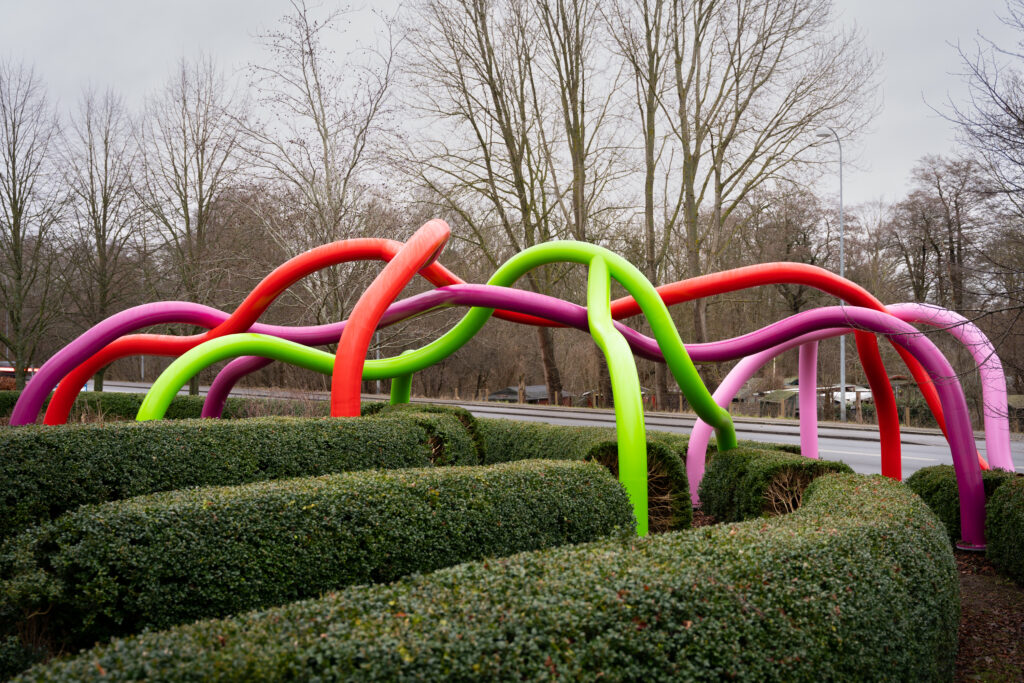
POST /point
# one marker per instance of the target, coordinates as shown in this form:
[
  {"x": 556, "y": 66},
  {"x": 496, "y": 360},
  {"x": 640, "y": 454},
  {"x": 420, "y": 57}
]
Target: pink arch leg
[
  {"x": 808, "y": 374},
  {"x": 993, "y": 381}
]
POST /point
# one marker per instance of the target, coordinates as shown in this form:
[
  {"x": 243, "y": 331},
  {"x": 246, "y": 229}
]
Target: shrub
[
  {"x": 163, "y": 559},
  {"x": 508, "y": 440},
  {"x": 859, "y": 584},
  {"x": 46, "y": 471},
  {"x": 937, "y": 487},
  {"x": 112, "y": 405},
  {"x": 466, "y": 418},
  {"x": 748, "y": 482},
  {"x": 917, "y": 408},
  {"x": 1004, "y": 529},
  {"x": 668, "y": 489},
  {"x": 8, "y": 397}
]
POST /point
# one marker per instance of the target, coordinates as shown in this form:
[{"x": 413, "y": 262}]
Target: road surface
[{"x": 856, "y": 445}]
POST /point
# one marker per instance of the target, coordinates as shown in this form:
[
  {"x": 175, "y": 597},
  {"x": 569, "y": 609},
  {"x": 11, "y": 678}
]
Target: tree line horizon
[{"x": 681, "y": 135}]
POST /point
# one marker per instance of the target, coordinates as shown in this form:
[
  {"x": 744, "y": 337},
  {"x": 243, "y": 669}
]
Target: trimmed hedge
[
  {"x": 937, "y": 487},
  {"x": 669, "y": 505},
  {"x": 509, "y": 440},
  {"x": 668, "y": 488},
  {"x": 168, "y": 558},
  {"x": 859, "y": 584},
  {"x": 466, "y": 418},
  {"x": 450, "y": 443},
  {"x": 124, "y": 406},
  {"x": 1004, "y": 529},
  {"x": 748, "y": 482},
  {"x": 45, "y": 471}
]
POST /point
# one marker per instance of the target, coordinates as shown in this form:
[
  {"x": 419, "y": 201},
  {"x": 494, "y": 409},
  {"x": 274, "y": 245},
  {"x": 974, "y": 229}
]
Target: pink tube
[
  {"x": 808, "y": 375},
  {"x": 993, "y": 381},
  {"x": 696, "y": 450},
  {"x": 960, "y": 434}
]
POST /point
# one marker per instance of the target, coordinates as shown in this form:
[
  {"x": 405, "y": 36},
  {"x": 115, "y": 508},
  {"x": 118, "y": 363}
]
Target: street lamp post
[{"x": 831, "y": 132}]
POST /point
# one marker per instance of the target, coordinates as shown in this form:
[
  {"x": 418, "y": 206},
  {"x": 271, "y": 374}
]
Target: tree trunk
[
  {"x": 97, "y": 381},
  {"x": 193, "y": 386},
  {"x": 604, "y": 380},
  {"x": 551, "y": 375},
  {"x": 661, "y": 375}
]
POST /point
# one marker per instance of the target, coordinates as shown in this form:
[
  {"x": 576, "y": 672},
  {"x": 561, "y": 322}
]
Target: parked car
[{"x": 851, "y": 393}]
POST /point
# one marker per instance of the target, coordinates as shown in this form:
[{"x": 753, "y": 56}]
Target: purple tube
[
  {"x": 488, "y": 296},
  {"x": 993, "y": 381},
  {"x": 958, "y": 423}
]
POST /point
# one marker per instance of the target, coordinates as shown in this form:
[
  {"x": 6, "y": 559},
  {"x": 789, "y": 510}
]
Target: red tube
[
  {"x": 867, "y": 345},
  {"x": 686, "y": 290},
  {"x": 421, "y": 249}
]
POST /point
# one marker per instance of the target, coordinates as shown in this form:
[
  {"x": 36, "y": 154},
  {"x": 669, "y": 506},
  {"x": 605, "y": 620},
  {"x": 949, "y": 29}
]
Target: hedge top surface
[
  {"x": 167, "y": 558},
  {"x": 47, "y": 470},
  {"x": 859, "y": 583}
]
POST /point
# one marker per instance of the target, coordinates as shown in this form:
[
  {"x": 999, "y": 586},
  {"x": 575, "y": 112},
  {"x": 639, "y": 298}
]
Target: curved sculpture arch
[{"x": 239, "y": 333}]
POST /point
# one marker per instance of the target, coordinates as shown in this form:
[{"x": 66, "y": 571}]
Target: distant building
[
  {"x": 535, "y": 393},
  {"x": 1016, "y": 406},
  {"x": 781, "y": 403}
]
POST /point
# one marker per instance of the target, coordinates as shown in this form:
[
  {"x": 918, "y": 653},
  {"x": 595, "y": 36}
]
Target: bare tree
[
  {"x": 955, "y": 190},
  {"x": 30, "y": 204},
  {"x": 911, "y": 228},
  {"x": 100, "y": 160},
  {"x": 318, "y": 144},
  {"x": 992, "y": 119},
  {"x": 477, "y": 65},
  {"x": 189, "y": 140},
  {"x": 640, "y": 29},
  {"x": 788, "y": 224},
  {"x": 753, "y": 81}
]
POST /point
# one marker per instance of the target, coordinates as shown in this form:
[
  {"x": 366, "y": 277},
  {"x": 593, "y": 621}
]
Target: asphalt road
[{"x": 855, "y": 445}]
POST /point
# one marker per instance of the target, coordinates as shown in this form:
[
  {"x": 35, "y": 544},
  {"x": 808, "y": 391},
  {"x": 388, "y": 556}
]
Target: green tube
[
  {"x": 608, "y": 265},
  {"x": 629, "y": 408},
  {"x": 186, "y": 366},
  {"x": 401, "y": 388}
]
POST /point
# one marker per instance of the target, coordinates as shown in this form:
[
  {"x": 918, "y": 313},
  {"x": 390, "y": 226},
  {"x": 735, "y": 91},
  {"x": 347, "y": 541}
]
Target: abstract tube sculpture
[{"x": 239, "y": 334}]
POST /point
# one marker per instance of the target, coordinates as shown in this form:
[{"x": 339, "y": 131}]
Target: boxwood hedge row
[
  {"x": 749, "y": 482},
  {"x": 508, "y": 440},
  {"x": 465, "y": 418},
  {"x": 937, "y": 487},
  {"x": 124, "y": 406},
  {"x": 668, "y": 488},
  {"x": 46, "y": 471},
  {"x": 167, "y": 558},
  {"x": 1004, "y": 529},
  {"x": 858, "y": 584}
]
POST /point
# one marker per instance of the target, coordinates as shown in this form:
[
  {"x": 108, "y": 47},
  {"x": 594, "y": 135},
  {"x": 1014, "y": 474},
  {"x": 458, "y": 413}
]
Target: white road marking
[{"x": 905, "y": 457}]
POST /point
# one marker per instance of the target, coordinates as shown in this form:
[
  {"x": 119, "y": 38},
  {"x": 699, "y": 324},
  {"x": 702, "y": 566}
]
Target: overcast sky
[{"x": 131, "y": 45}]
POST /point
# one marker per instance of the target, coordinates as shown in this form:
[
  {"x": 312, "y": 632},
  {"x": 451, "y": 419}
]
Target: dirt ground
[{"x": 991, "y": 623}]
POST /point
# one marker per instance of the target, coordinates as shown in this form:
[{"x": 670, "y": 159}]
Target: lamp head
[{"x": 824, "y": 134}]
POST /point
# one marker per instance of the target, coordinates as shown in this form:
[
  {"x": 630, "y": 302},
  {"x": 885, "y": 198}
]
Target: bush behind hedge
[
  {"x": 465, "y": 418},
  {"x": 1004, "y": 528},
  {"x": 750, "y": 482},
  {"x": 937, "y": 487},
  {"x": 668, "y": 487},
  {"x": 113, "y": 405},
  {"x": 47, "y": 470},
  {"x": 859, "y": 584},
  {"x": 167, "y": 558}
]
